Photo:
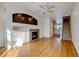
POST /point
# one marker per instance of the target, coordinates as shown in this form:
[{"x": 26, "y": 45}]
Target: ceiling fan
[{"x": 47, "y": 8}]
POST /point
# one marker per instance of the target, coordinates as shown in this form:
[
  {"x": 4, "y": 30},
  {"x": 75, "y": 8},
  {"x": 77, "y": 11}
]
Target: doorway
[{"x": 66, "y": 34}]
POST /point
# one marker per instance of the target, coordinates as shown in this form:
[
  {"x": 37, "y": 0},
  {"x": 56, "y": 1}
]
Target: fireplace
[{"x": 34, "y": 34}]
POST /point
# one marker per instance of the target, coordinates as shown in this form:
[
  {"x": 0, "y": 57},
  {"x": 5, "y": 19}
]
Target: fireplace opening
[{"x": 34, "y": 35}]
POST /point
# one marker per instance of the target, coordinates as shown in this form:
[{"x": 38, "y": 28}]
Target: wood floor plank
[{"x": 49, "y": 47}]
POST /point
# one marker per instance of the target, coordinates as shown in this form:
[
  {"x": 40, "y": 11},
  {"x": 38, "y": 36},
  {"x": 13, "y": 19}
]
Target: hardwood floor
[
  {"x": 2, "y": 50},
  {"x": 45, "y": 48}
]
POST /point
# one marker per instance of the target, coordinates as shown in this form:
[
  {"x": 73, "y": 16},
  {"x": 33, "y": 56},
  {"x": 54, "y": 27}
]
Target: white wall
[
  {"x": 27, "y": 37},
  {"x": 2, "y": 25},
  {"x": 75, "y": 27},
  {"x": 46, "y": 27},
  {"x": 51, "y": 27},
  {"x": 18, "y": 37}
]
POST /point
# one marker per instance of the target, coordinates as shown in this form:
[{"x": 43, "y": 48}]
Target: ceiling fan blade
[
  {"x": 51, "y": 7},
  {"x": 50, "y": 11},
  {"x": 42, "y": 6}
]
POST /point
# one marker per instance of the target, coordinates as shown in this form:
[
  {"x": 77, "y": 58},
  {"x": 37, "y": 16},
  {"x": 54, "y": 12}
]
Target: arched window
[{"x": 24, "y": 18}]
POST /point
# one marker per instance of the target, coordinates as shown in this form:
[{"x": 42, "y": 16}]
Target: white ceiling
[{"x": 61, "y": 8}]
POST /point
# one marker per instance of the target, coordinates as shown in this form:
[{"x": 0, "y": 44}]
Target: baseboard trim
[
  {"x": 75, "y": 49},
  {"x": 45, "y": 37},
  {"x": 2, "y": 46}
]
